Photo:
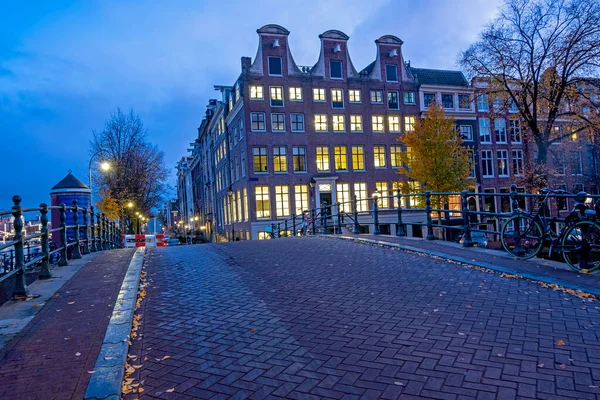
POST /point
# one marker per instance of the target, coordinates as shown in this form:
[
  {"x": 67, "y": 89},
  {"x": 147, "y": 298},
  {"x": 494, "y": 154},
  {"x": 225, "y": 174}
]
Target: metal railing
[{"x": 95, "y": 233}]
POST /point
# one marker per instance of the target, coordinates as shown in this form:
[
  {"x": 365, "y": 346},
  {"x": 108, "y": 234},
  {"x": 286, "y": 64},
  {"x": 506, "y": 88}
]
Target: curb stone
[
  {"x": 105, "y": 383},
  {"x": 526, "y": 275}
]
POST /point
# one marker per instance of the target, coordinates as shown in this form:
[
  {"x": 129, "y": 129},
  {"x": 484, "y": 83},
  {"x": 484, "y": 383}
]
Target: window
[
  {"x": 301, "y": 199},
  {"x": 338, "y": 123},
  {"x": 377, "y": 124},
  {"x": 243, "y": 162},
  {"x": 409, "y": 123},
  {"x": 428, "y": 98},
  {"x": 576, "y": 166},
  {"x": 447, "y": 100},
  {"x": 394, "y": 123},
  {"x": 512, "y": 108},
  {"x": 260, "y": 159},
  {"x": 239, "y": 200},
  {"x": 299, "y": 159},
  {"x": 556, "y": 134},
  {"x": 262, "y": 235},
  {"x": 278, "y": 122},
  {"x": 275, "y": 68},
  {"x": 276, "y": 96},
  {"x": 297, "y": 122},
  {"x": 282, "y": 200},
  {"x": 258, "y": 122},
  {"x": 382, "y": 188},
  {"x": 391, "y": 73},
  {"x": 473, "y": 163},
  {"x": 393, "y": 103},
  {"x": 321, "y": 122},
  {"x": 482, "y": 103},
  {"x": 515, "y": 131},
  {"x": 335, "y": 70},
  {"x": 342, "y": 194},
  {"x": 497, "y": 104},
  {"x": 356, "y": 123},
  {"x": 502, "y": 159},
  {"x": 337, "y": 98},
  {"x": 263, "y": 206},
  {"x": 358, "y": 158},
  {"x": 487, "y": 163},
  {"x": 464, "y": 102},
  {"x": 340, "y": 158},
  {"x": 280, "y": 159},
  {"x": 360, "y": 191},
  {"x": 559, "y": 162},
  {"x": 500, "y": 130},
  {"x": 322, "y": 158},
  {"x": 354, "y": 95},
  {"x": 241, "y": 126},
  {"x": 466, "y": 132},
  {"x": 517, "y": 162},
  {"x": 379, "y": 156},
  {"x": 396, "y": 154},
  {"x": 376, "y": 96},
  {"x": 256, "y": 92},
  {"x": 296, "y": 94},
  {"x": 318, "y": 94},
  {"x": 246, "y": 216},
  {"x": 485, "y": 136},
  {"x": 409, "y": 98}
]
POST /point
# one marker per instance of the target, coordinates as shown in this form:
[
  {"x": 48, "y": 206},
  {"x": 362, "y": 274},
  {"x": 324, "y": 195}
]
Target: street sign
[{"x": 154, "y": 226}]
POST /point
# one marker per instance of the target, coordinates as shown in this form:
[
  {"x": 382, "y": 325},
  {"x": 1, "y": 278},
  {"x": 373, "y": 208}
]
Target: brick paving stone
[
  {"x": 322, "y": 318},
  {"x": 41, "y": 362}
]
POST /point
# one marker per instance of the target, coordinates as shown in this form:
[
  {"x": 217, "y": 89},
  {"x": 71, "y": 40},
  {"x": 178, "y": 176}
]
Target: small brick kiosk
[{"x": 64, "y": 192}]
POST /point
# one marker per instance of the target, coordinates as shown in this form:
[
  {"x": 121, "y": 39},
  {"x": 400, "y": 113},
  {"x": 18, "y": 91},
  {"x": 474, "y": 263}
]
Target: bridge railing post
[
  {"x": 356, "y": 229},
  {"x": 20, "y": 291},
  {"x": 64, "y": 261},
  {"x": 93, "y": 248},
  {"x": 294, "y": 224},
  {"x": 77, "y": 249},
  {"x": 376, "y": 230},
  {"x": 400, "y": 231},
  {"x": 313, "y": 215},
  {"x": 45, "y": 243},
  {"x": 339, "y": 218},
  {"x": 467, "y": 240},
  {"x": 86, "y": 227},
  {"x": 430, "y": 235}
]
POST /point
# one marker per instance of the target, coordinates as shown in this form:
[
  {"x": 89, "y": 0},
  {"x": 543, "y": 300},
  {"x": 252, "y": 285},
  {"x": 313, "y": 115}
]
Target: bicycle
[{"x": 523, "y": 235}]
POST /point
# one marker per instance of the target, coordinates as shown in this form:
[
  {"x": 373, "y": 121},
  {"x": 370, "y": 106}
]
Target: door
[{"x": 325, "y": 204}]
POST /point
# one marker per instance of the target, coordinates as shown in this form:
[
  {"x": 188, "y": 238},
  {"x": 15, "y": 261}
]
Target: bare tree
[
  {"x": 138, "y": 173},
  {"x": 542, "y": 57}
]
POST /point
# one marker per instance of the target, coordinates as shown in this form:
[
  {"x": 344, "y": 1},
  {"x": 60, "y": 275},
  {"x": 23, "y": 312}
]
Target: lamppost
[
  {"x": 230, "y": 195},
  {"x": 104, "y": 166}
]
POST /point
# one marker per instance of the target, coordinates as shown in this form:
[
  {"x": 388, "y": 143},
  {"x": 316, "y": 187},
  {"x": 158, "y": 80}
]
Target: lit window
[
  {"x": 391, "y": 73},
  {"x": 396, "y": 154},
  {"x": 297, "y": 122},
  {"x": 299, "y": 159},
  {"x": 239, "y": 206},
  {"x": 258, "y": 121},
  {"x": 338, "y": 123},
  {"x": 356, "y": 123},
  {"x": 354, "y": 95},
  {"x": 337, "y": 98},
  {"x": 500, "y": 130},
  {"x": 358, "y": 158},
  {"x": 428, "y": 99},
  {"x": 376, "y": 96},
  {"x": 296, "y": 93},
  {"x": 409, "y": 123},
  {"x": 485, "y": 135},
  {"x": 279, "y": 159},
  {"x": 466, "y": 132},
  {"x": 301, "y": 199},
  {"x": 342, "y": 194},
  {"x": 382, "y": 188},
  {"x": 502, "y": 159},
  {"x": 515, "y": 131},
  {"x": 275, "y": 67},
  {"x": 482, "y": 103},
  {"x": 379, "y": 156},
  {"x": 340, "y": 158},
  {"x": 322, "y": 158},
  {"x": 335, "y": 69},
  {"x": 263, "y": 206},
  {"x": 487, "y": 163},
  {"x": 318, "y": 94},
  {"x": 321, "y": 122},
  {"x": 464, "y": 102},
  {"x": 409, "y": 98},
  {"x": 262, "y": 235},
  {"x": 278, "y": 122},
  {"x": 282, "y": 201},
  {"x": 276, "y": 96},
  {"x": 377, "y": 123},
  {"x": 246, "y": 216},
  {"x": 360, "y": 191},
  {"x": 393, "y": 103},
  {"x": 447, "y": 100},
  {"x": 394, "y": 123},
  {"x": 256, "y": 92},
  {"x": 517, "y": 162},
  {"x": 260, "y": 159}
]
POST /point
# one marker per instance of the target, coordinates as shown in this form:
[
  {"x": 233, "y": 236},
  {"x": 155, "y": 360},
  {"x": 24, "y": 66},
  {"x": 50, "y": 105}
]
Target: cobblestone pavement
[
  {"x": 306, "y": 318},
  {"x": 51, "y": 357}
]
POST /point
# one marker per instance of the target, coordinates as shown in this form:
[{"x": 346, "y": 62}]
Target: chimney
[{"x": 246, "y": 64}]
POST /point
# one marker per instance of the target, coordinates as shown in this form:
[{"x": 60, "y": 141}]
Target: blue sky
[{"x": 65, "y": 65}]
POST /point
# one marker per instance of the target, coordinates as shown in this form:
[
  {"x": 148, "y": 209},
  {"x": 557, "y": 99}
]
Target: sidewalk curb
[
  {"x": 526, "y": 275},
  {"x": 105, "y": 383}
]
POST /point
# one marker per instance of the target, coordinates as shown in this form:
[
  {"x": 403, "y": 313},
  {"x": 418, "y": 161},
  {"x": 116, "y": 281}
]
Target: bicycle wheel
[
  {"x": 522, "y": 237},
  {"x": 581, "y": 246}
]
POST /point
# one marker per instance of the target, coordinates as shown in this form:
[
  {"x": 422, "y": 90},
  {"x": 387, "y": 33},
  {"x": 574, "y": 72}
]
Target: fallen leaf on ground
[
  {"x": 399, "y": 383},
  {"x": 170, "y": 390},
  {"x": 78, "y": 354},
  {"x": 541, "y": 365},
  {"x": 71, "y": 302},
  {"x": 560, "y": 342},
  {"x": 91, "y": 372},
  {"x": 165, "y": 357}
]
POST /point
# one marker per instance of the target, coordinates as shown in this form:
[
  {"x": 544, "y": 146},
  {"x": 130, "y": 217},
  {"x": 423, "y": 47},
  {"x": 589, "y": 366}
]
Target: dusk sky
[{"x": 65, "y": 65}]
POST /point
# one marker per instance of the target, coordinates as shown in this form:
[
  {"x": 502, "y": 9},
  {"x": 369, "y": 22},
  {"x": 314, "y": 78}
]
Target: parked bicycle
[{"x": 524, "y": 234}]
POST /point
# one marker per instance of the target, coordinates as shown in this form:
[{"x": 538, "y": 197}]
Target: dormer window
[
  {"x": 275, "y": 66},
  {"x": 335, "y": 70},
  {"x": 391, "y": 73}
]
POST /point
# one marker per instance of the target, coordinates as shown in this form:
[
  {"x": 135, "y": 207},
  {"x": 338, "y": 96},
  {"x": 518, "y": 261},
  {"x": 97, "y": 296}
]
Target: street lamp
[
  {"x": 230, "y": 195},
  {"x": 104, "y": 166}
]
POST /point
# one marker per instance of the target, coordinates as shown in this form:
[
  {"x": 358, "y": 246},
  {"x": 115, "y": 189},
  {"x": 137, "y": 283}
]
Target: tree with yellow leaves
[{"x": 108, "y": 205}]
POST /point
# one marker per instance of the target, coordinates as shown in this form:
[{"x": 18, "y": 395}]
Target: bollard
[
  {"x": 467, "y": 240},
  {"x": 339, "y": 219},
  {"x": 63, "y": 237},
  {"x": 20, "y": 292},
  {"x": 356, "y": 230},
  {"x": 86, "y": 238},
  {"x": 399, "y": 224},
  {"x": 77, "y": 249},
  {"x": 430, "y": 235},
  {"x": 44, "y": 271},
  {"x": 376, "y": 230},
  {"x": 93, "y": 248},
  {"x": 313, "y": 215},
  {"x": 293, "y": 224}
]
